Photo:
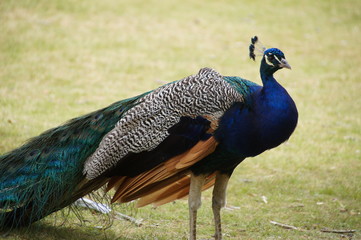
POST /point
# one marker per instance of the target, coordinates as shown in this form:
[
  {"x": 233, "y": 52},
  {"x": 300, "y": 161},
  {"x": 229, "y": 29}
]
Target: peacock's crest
[{"x": 256, "y": 45}]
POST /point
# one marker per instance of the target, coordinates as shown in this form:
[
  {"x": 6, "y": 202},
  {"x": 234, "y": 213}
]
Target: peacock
[{"x": 166, "y": 144}]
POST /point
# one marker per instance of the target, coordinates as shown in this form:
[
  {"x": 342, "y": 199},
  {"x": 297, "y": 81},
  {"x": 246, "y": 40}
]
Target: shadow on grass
[{"x": 47, "y": 231}]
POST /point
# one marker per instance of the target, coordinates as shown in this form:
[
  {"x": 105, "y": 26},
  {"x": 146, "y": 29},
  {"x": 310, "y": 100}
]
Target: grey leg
[
  {"x": 219, "y": 201},
  {"x": 194, "y": 202}
]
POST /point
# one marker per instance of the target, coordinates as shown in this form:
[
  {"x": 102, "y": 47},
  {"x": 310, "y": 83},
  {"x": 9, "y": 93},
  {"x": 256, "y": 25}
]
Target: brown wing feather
[
  {"x": 134, "y": 184},
  {"x": 115, "y": 182},
  {"x": 161, "y": 176},
  {"x": 150, "y": 188},
  {"x": 197, "y": 153},
  {"x": 173, "y": 191},
  {"x": 176, "y": 189}
]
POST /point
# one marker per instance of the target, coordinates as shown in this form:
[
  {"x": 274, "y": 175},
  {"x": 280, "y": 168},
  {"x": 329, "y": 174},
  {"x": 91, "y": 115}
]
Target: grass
[{"x": 62, "y": 58}]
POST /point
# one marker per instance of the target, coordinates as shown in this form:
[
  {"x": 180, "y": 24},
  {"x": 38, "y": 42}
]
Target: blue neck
[
  {"x": 266, "y": 72},
  {"x": 272, "y": 93},
  {"x": 269, "y": 83}
]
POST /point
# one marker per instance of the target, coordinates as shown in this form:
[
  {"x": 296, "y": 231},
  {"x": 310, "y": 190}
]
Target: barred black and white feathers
[{"x": 146, "y": 125}]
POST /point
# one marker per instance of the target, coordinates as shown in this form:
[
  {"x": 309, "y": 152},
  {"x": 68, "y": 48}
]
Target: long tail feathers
[{"x": 45, "y": 174}]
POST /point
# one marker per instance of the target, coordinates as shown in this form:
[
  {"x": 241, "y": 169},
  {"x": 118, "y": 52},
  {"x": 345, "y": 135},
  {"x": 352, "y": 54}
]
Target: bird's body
[{"x": 179, "y": 139}]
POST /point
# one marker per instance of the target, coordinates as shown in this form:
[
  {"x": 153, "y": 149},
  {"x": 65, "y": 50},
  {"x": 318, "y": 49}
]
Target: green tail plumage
[{"x": 45, "y": 174}]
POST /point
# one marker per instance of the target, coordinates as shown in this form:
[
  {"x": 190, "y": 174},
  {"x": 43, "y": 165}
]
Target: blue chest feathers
[{"x": 264, "y": 122}]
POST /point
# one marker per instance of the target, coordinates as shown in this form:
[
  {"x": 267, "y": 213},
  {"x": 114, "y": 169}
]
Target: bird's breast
[
  {"x": 249, "y": 131},
  {"x": 276, "y": 118}
]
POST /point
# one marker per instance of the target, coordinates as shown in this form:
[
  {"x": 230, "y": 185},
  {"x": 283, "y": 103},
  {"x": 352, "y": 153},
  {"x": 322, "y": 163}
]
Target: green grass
[{"x": 61, "y": 58}]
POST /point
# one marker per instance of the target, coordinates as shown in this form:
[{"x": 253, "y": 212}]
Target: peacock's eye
[{"x": 271, "y": 57}]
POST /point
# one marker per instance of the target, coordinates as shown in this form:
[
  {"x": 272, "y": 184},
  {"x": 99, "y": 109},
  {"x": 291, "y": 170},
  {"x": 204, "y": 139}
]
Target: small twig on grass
[
  {"x": 297, "y": 205},
  {"x": 122, "y": 216},
  {"x": 337, "y": 231},
  {"x": 284, "y": 225}
]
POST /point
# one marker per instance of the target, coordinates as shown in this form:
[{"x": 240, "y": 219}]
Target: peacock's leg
[
  {"x": 194, "y": 202},
  {"x": 219, "y": 201}
]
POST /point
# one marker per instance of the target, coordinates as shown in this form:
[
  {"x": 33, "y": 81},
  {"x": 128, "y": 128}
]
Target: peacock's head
[{"x": 273, "y": 58}]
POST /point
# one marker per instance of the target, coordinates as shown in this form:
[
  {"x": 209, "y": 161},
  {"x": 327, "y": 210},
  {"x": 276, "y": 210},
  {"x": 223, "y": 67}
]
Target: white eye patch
[
  {"x": 277, "y": 59},
  {"x": 268, "y": 61}
]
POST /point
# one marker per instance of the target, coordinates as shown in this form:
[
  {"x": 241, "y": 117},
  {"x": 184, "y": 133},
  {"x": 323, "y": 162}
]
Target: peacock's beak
[{"x": 284, "y": 64}]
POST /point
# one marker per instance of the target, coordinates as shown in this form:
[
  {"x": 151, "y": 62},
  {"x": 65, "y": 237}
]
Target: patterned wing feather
[{"x": 146, "y": 125}]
